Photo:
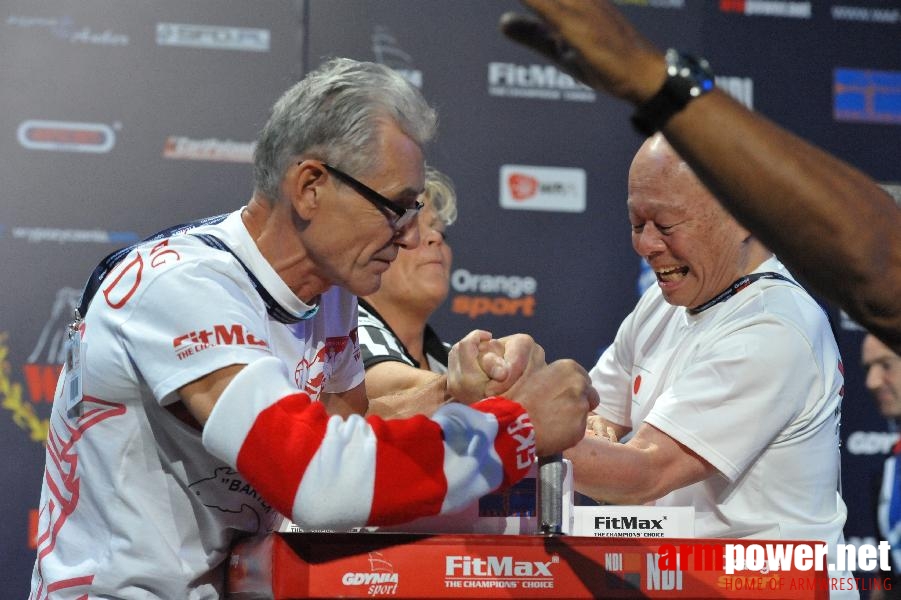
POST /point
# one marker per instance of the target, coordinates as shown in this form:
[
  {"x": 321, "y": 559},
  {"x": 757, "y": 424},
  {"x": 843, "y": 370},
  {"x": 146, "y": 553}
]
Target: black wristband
[{"x": 687, "y": 78}]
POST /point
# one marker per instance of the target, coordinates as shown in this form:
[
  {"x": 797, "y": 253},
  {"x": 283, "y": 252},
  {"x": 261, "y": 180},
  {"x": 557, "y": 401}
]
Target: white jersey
[
  {"x": 158, "y": 512},
  {"x": 753, "y": 385}
]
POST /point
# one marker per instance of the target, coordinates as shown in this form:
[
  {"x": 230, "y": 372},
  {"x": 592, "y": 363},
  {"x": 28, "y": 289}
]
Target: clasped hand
[{"x": 558, "y": 396}]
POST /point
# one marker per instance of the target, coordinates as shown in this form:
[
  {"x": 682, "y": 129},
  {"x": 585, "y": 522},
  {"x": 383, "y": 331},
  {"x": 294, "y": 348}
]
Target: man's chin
[{"x": 365, "y": 285}]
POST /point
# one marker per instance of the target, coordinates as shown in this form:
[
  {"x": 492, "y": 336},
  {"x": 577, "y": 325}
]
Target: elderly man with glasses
[{"x": 215, "y": 385}]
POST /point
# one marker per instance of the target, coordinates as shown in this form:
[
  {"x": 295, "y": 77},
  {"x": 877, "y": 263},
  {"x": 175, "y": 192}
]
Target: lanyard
[
  {"x": 737, "y": 286},
  {"x": 275, "y": 310}
]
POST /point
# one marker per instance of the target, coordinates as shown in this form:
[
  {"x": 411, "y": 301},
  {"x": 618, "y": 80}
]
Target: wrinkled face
[
  {"x": 695, "y": 249},
  {"x": 418, "y": 278},
  {"x": 353, "y": 241},
  {"x": 883, "y": 369}
]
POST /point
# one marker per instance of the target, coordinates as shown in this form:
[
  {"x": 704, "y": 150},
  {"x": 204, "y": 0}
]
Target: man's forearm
[
  {"x": 424, "y": 398},
  {"x": 610, "y": 472}
]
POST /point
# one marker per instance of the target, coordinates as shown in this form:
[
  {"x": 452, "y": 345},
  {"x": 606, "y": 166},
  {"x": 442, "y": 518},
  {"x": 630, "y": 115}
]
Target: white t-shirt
[
  {"x": 754, "y": 386},
  {"x": 158, "y": 512}
]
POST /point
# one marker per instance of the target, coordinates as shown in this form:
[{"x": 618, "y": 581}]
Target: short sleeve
[
  {"x": 740, "y": 392},
  {"x": 342, "y": 342},
  {"x": 611, "y": 377},
  {"x": 189, "y": 321}
]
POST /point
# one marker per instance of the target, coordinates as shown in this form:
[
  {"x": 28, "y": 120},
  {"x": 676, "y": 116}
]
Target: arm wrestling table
[{"x": 287, "y": 566}]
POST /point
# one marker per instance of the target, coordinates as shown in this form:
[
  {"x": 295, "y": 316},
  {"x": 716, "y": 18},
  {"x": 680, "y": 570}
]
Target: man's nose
[
  {"x": 408, "y": 237},
  {"x": 874, "y": 377},
  {"x": 648, "y": 241}
]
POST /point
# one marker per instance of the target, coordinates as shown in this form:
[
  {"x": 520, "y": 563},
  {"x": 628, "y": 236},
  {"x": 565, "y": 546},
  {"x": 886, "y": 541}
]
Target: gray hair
[
  {"x": 334, "y": 114},
  {"x": 440, "y": 194}
]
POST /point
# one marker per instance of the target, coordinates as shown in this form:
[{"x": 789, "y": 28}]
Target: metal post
[{"x": 550, "y": 494}]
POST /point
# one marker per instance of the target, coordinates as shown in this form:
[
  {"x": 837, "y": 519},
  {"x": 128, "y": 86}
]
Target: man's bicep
[{"x": 200, "y": 396}]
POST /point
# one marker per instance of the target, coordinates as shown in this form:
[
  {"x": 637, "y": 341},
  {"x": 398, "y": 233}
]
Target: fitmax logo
[
  {"x": 627, "y": 523},
  {"x": 495, "y": 566}
]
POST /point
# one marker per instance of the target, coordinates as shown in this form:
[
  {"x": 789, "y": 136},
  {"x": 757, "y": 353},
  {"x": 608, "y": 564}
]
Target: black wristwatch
[{"x": 687, "y": 78}]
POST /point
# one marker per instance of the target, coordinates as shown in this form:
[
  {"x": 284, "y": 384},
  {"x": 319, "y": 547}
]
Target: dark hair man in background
[{"x": 883, "y": 380}]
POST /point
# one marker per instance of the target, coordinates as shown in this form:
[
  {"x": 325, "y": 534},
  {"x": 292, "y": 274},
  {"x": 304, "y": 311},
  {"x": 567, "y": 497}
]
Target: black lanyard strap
[
  {"x": 275, "y": 310},
  {"x": 737, "y": 286},
  {"x": 114, "y": 258}
]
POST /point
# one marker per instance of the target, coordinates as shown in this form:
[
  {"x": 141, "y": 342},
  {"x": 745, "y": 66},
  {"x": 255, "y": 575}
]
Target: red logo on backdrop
[
  {"x": 732, "y": 6},
  {"x": 66, "y": 136},
  {"x": 522, "y": 187}
]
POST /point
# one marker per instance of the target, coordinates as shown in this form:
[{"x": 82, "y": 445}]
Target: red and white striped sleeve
[{"x": 329, "y": 472}]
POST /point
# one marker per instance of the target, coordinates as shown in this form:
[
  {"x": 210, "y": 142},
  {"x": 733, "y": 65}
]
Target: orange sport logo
[{"x": 498, "y": 295}]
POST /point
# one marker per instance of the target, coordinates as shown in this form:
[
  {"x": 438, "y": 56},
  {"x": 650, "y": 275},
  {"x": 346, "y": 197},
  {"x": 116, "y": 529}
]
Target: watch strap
[{"x": 687, "y": 78}]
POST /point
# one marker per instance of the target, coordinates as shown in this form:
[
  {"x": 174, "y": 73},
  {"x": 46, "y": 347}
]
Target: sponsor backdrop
[{"x": 121, "y": 118}]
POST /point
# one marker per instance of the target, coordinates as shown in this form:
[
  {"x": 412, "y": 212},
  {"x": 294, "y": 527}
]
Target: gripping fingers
[
  {"x": 492, "y": 361},
  {"x": 466, "y": 379}
]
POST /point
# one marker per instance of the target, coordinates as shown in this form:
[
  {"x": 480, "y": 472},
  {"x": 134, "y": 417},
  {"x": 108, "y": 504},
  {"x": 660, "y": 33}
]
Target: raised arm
[{"x": 829, "y": 222}]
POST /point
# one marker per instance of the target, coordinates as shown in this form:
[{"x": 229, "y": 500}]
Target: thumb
[{"x": 531, "y": 32}]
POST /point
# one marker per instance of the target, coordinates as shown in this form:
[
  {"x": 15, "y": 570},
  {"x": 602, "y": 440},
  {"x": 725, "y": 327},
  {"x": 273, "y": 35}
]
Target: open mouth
[{"x": 671, "y": 274}]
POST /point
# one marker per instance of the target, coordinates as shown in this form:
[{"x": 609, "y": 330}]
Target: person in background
[
  {"x": 882, "y": 367},
  {"x": 401, "y": 351},
  {"x": 829, "y": 222},
  {"x": 726, "y": 374}
]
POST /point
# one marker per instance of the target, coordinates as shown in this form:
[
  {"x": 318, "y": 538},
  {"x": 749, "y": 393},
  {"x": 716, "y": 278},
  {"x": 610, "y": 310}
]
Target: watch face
[{"x": 690, "y": 76}]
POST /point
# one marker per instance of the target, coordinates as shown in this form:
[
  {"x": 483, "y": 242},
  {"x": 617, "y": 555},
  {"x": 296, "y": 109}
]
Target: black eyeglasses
[{"x": 403, "y": 215}]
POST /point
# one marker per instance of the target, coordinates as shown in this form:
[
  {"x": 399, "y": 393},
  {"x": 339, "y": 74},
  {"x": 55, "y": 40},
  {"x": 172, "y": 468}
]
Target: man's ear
[{"x": 304, "y": 185}]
